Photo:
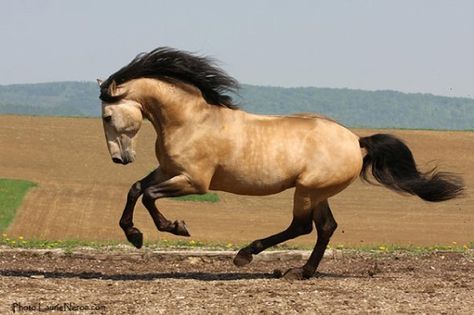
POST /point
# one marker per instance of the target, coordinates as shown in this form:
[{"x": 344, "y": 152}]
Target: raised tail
[{"x": 394, "y": 167}]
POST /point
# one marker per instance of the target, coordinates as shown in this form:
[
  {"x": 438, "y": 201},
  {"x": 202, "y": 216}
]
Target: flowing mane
[{"x": 173, "y": 65}]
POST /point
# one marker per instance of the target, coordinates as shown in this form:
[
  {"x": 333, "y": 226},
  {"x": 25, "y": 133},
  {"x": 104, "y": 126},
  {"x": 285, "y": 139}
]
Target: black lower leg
[
  {"x": 161, "y": 222},
  {"x": 325, "y": 225},
  {"x": 297, "y": 227},
  {"x": 313, "y": 262},
  {"x": 133, "y": 235}
]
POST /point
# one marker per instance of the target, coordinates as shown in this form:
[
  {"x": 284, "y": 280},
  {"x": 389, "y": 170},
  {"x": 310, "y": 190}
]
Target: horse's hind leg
[
  {"x": 301, "y": 224},
  {"x": 325, "y": 225}
]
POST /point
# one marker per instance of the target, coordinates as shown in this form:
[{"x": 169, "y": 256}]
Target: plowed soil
[
  {"x": 81, "y": 193},
  {"x": 144, "y": 282}
]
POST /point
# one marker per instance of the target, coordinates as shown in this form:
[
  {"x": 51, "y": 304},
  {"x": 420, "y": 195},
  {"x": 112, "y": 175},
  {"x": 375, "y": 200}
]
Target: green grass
[
  {"x": 70, "y": 245},
  {"x": 209, "y": 197},
  {"x": 67, "y": 245},
  {"x": 12, "y": 192},
  {"x": 392, "y": 248}
]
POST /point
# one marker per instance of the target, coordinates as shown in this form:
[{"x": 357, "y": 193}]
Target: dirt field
[
  {"x": 134, "y": 282},
  {"x": 81, "y": 192}
]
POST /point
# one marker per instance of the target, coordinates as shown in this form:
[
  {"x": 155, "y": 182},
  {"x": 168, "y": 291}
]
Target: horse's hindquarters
[{"x": 336, "y": 160}]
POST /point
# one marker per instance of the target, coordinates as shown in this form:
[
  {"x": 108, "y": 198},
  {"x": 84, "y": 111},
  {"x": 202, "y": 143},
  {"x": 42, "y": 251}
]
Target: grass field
[
  {"x": 11, "y": 195},
  {"x": 81, "y": 193},
  {"x": 209, "y": 197}
]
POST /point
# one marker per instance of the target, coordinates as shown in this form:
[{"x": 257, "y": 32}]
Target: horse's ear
[
  {"x": 99, "y": 82},
  {"x": 112, "y": 88}
]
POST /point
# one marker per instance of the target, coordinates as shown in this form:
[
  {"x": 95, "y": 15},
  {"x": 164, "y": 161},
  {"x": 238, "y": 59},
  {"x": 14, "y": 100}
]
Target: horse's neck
[
  {"x": 172, "y": 109},
  {"x": 166, "y": 104}
]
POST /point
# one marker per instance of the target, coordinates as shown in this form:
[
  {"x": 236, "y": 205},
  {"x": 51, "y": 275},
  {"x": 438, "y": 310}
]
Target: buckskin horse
[{"x": 205, "y": 142}]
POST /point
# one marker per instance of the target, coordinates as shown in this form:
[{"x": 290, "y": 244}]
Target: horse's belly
[
  {"x": 266, "y": 163},
  {"x": 257, "y": 183}
]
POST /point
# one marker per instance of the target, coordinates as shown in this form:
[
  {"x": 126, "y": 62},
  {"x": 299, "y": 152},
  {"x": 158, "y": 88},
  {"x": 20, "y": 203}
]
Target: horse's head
[{"x": 122, "y": 120}]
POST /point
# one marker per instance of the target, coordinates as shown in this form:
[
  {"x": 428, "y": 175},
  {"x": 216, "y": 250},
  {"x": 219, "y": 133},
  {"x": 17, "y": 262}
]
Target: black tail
[{"x": 394, "y": 167}]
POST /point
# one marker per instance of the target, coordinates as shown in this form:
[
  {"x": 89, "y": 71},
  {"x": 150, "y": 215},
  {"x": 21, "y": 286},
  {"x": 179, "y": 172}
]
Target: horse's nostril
[{"x": 117, "y": 160}]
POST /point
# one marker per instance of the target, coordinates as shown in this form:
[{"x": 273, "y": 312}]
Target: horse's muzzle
[
  {"x": 126, "y": 158},
  {"x": 119, "y": 161}
]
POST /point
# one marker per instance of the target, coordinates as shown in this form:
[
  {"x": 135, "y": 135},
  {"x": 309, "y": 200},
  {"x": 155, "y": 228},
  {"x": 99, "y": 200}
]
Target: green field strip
[
  {"x": 12, "y": 192},
  {"x": 209, "y": 197}
]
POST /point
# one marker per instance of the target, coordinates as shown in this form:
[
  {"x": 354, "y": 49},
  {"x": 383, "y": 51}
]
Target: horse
[{"x": 206, "y": 142}]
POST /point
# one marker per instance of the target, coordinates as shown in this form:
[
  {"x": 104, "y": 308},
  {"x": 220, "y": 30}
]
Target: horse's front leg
[
  {"x": 133, "y": 234},
  {"x": 172, "y": 187}
]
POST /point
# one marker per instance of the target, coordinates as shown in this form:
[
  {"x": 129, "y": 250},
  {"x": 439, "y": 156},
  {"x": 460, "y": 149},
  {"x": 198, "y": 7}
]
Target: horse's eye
[{"x": 107, "y": 118}]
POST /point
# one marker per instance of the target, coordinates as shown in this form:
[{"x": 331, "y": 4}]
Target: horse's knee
[
  {"x": 135, "y": 191},
  {"x": 147, "y": 199}
]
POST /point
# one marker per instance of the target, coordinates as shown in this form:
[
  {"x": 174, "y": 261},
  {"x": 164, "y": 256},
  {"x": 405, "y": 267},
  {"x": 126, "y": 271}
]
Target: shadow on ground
[{"x": 201, "y": 276}]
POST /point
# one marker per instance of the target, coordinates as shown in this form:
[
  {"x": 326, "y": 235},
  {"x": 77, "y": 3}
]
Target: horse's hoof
[
  {"x": 296, "y": 274},
  {"x": 180, "y": 228},
  {"x": 242, "y": 258},
  {"x": 135, "y": 237}
]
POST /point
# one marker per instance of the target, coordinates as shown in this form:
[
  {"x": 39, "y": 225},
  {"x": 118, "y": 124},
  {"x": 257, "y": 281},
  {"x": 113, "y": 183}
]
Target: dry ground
[
  {"x": 145, "y": 282},
  {"x": 81, "y": 192}
]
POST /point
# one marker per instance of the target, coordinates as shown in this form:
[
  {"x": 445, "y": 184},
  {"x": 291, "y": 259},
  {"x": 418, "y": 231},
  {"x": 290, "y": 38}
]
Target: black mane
[{"x": 173, "y": 65}]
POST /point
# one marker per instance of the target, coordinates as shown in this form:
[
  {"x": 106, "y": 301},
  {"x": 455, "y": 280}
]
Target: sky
[{"x": 405, "y": 45}]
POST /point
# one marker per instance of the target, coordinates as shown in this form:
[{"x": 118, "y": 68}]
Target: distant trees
[
  {"x": 354, "y": 108},
  {"x": 357, "y": 108},
  {"x": 51, "y": 99}
]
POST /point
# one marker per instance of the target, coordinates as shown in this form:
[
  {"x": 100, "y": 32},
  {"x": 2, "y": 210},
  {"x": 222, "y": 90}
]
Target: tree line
[{"x": 353, "y": 108}]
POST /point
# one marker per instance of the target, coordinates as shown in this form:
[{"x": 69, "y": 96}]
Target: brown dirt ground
[
  {"x": 145, "y": 282},
  {"x": 81, "y": 192}
]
